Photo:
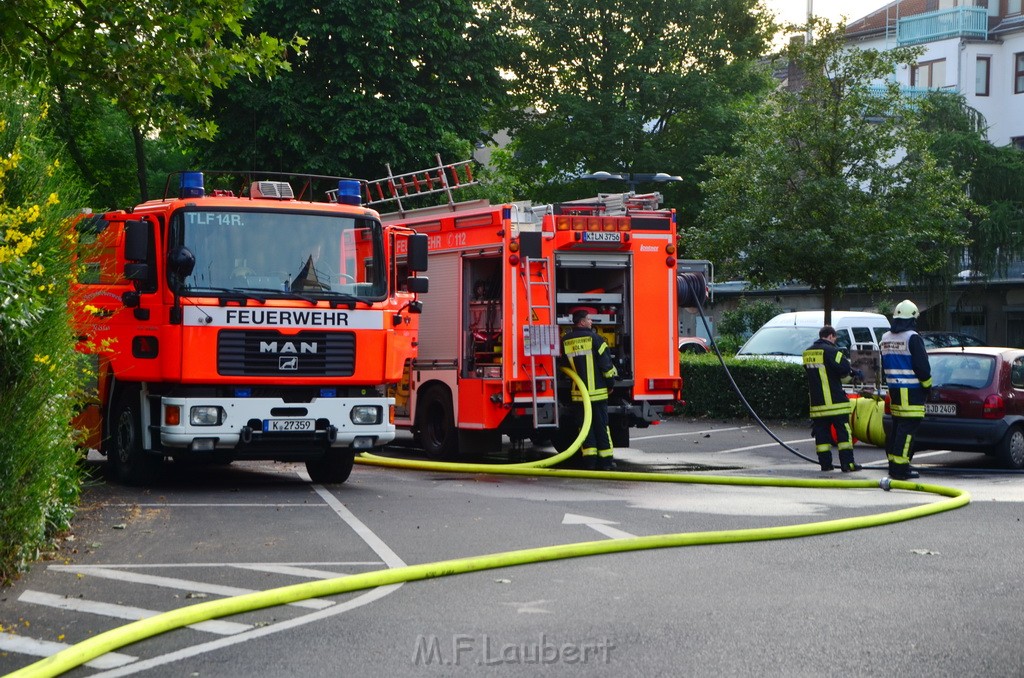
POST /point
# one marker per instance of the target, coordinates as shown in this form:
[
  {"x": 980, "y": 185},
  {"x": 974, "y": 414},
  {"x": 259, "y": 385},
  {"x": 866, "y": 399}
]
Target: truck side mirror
[
  {"x": 418, "y": 285},
  {"x": 136, "y": 241},
  {"x": 417, "y": 260}
]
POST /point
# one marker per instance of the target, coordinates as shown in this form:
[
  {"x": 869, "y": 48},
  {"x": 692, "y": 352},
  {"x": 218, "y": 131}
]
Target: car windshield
[
  {"x": 788, "y": 340},
  {"x": 961, "y": 370}
]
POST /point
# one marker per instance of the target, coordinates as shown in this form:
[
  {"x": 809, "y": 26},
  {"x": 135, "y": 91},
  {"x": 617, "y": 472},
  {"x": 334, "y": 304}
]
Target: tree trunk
[
  {"x": 140, "y": 162},
  {"x": 827, "y": 295}
]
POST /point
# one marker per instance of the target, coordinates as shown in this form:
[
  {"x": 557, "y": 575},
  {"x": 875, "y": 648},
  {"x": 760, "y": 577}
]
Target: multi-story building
[{"x": 974, "y": 47}]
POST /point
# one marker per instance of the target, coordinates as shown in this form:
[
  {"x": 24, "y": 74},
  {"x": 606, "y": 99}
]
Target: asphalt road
[{"x": 941, "y": 595}]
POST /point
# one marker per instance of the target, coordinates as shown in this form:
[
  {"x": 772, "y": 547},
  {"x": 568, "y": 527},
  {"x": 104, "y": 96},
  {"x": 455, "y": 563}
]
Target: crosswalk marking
[
  {"x": 34, "y": 647},
  {"x": 223, "y": 628}
]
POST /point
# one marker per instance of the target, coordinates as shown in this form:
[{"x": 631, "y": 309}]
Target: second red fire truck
[{"x": 504, "y": 282}]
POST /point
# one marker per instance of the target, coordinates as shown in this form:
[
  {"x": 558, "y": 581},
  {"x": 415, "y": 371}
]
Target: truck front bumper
[{"x": 209, "y": 423}]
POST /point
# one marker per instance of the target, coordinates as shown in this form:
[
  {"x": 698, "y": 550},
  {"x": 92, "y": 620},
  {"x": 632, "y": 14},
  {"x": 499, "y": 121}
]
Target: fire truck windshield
[{"x": 305, "y": 253}]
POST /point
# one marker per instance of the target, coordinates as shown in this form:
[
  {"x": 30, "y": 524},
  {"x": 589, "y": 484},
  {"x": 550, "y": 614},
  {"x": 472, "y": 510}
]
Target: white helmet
[{"x": 905, "y": 309}]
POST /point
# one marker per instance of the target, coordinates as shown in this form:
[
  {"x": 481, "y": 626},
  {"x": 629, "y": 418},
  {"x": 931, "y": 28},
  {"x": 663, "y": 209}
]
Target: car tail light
[{"x": 994, "y": 407}]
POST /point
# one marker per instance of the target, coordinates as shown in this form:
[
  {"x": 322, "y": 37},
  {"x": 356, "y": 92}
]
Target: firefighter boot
[
  {"x": 902, "y": 472},
  {"x": 825, "y": 460},
  {"x": 606, "y": 464},
  {"x": 589, "y": 462},
  {"x": 846, "y": 462}
]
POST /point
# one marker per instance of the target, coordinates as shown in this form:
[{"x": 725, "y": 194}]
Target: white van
[{"x": 785, "y": 336}]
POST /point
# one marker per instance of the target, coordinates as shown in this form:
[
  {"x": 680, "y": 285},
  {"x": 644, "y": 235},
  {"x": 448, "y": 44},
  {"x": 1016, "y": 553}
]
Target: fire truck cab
[{"x": 248, "y": 323}]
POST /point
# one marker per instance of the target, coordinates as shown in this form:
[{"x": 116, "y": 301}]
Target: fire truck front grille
[{"x": 269, "y": 353}]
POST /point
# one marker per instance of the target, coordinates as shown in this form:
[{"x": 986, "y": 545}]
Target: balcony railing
[
  {"x": 959, "y": 22},
  {"x": 909, "y": 92}
]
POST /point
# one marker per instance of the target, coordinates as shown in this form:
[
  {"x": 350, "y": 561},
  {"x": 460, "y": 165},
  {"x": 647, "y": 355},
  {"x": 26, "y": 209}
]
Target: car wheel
[
  {"x": 1011, "y": 448},
  {"x": 129, "y": 463},
  {"x": 334, "y": 468}
]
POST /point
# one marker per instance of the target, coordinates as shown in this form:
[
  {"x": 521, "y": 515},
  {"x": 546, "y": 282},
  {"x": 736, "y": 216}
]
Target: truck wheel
[
  {"x": 128, "y": 463},
  {"x": 436, "y": 422},
  {"x": 334, "y": 468},
  {"x": 1011, "y": 448},
  {"x": 619, "y": 429}
]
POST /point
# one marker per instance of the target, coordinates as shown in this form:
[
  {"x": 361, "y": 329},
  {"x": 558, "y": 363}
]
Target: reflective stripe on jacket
[
  {"x": 826, "y": 365},
  {"x": 589, "y": 356},
  {"x": 907, "y": 372}
]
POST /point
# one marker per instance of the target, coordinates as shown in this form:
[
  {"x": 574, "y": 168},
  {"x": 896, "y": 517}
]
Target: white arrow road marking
[
  {"x": 45, "y": 648},
  {"x": 222, "y": 628},
  {"x": 598, "y": 524}
]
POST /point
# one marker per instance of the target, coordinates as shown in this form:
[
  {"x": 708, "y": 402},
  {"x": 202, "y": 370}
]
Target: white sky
[{"x": 795, "y": 11}]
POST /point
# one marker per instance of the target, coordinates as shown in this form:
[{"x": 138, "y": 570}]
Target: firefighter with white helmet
[{"x": 909, "y": 378}]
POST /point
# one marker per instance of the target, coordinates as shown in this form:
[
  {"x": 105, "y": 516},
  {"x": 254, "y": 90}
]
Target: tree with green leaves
[
  {"x": 995, "y": 181},
  {"x": 378, "y": 82},
  {"x": 834, "y": 184},
  {"x": 641, "y": 87},
  {"x": 154, "y": 60}
]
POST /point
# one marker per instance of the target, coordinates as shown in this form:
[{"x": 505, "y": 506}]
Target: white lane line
[
  {"x": 221, "y": 628},
  {"x": 171, "y": 505},
  {"x": 220, "y": 643},
  {"x": 389, "y": 557},
  {"x": 325, "y": 563},
  {"x": 173, "y": 583},
  {"x": 304, "y": 572},
  {"x": 372, "y": 540},
  {"x": 34, "y": 647},
  {"x": 691, "y": 433},
  {"x": 758, "y": 447}
]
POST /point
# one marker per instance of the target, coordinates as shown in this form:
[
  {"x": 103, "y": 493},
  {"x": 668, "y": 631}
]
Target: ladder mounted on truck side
[
  {"x": 540, "y": 338},
  {"x": 439, "y": 179}
]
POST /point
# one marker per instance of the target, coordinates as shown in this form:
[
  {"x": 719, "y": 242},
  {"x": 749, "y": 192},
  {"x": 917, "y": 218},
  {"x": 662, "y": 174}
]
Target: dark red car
[{"x": 976, "y": 403}]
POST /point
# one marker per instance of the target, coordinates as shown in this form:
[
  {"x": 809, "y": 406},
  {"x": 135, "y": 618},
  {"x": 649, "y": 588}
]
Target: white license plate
[
  {"x": 276, "y": 425},
  {"x": 600, "y": 236},
  {"x": 943, "y": 409}
]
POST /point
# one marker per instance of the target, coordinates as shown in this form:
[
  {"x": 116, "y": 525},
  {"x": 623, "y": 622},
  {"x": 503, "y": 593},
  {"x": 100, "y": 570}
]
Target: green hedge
[
  {"x": 40, "y": 372},
  {"x": 776, "y": 390}
]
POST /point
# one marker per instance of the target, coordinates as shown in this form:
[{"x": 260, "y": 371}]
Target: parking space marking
[
  {"x": 691, "y": 433},
  {"x": 173, "y": 583},
  {"x": 222, "y": 628},
  {"x": 34, "y": 647}
]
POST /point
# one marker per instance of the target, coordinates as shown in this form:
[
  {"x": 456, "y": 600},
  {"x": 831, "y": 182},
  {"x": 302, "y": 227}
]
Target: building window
[
  {"x": 1017, "y": 142},
  {"x": 929, "y": 74},
  {"x": 983, "y": 68},
  {"x": 1013, "y": 6},
  {"x": 1018, "y": 73}
]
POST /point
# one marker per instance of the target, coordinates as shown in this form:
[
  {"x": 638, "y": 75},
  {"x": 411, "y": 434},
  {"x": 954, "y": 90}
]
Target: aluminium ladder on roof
[{"x": 440, "y": 179}]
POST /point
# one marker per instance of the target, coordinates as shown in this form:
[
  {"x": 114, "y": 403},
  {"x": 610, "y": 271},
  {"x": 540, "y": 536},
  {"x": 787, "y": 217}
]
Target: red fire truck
[
  {"x": 505, "y": 280},
  {"x": 246, "y": 323}
]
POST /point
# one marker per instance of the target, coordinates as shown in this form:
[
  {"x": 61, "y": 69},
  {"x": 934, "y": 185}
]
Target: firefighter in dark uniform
[
  {"x": 826, "y": 366},
  {"x": 589, "y": 356},
  {"x": 908, "y": 375}
]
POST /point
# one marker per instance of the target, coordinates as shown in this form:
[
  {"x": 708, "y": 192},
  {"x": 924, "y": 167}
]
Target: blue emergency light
[
  {"x": 349, "y": 192},
  {"x": 191, "y": 185}
]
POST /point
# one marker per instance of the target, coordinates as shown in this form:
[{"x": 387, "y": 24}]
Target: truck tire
[
  {"x": 435, "y": 420},
  {"x": 334, "y": 468},
  {"x": 128, "y": 463}
]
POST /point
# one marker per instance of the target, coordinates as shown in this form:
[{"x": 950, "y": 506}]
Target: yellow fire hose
[{"x": 114, "y": 639}]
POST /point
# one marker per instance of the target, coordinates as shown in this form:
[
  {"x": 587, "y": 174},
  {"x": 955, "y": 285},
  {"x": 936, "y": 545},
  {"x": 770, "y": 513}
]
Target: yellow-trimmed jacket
[
  {"x": 589, "y": 356},
  {"x": 826, "y": 365}
]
